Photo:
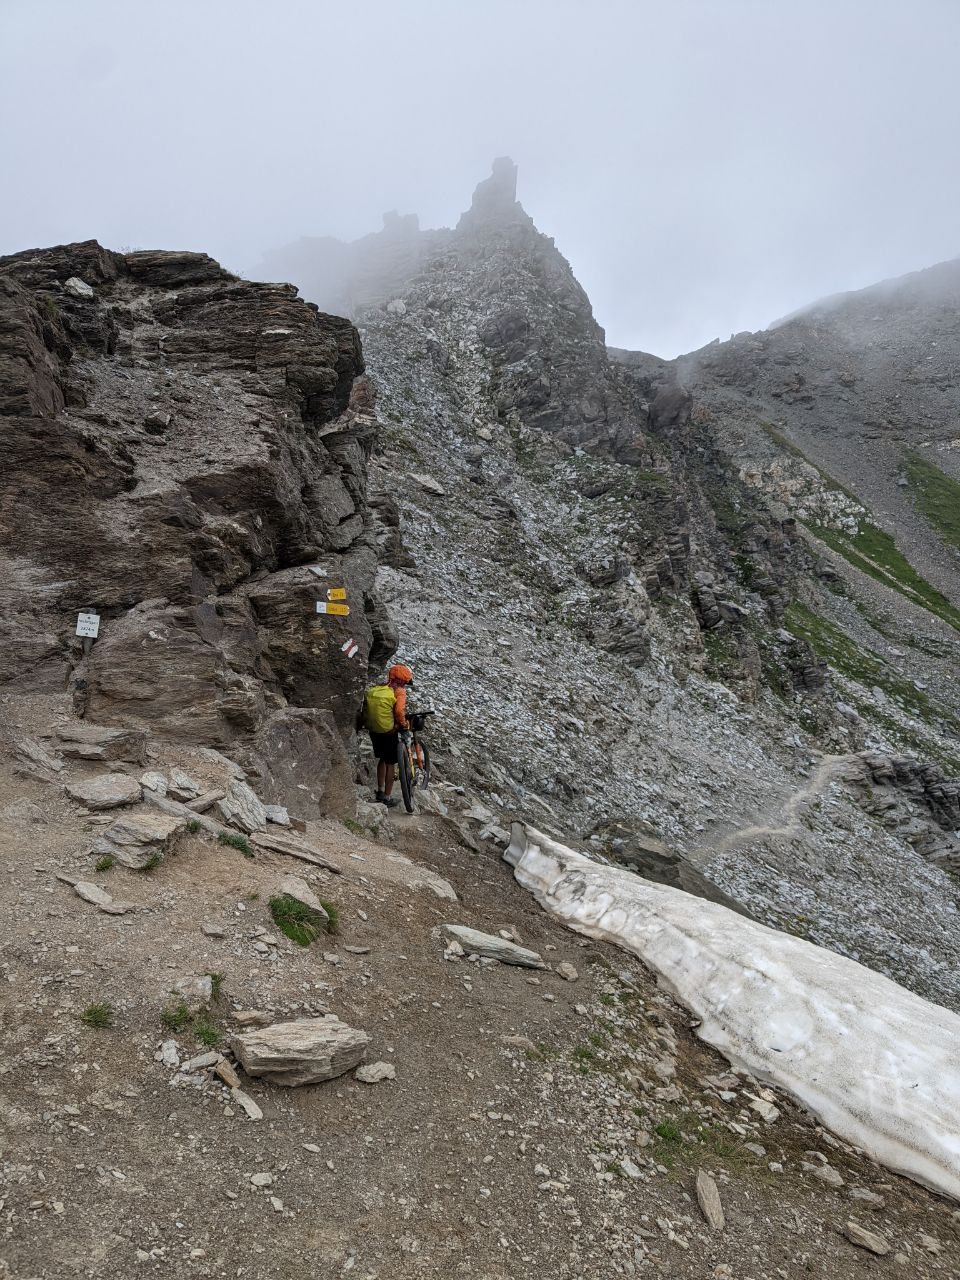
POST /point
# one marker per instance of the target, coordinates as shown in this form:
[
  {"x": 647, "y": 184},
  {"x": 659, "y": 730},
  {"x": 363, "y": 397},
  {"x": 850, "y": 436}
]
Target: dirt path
[
  {"x": 536, "y": 1126},
  {"x": 785, "y": 821}
]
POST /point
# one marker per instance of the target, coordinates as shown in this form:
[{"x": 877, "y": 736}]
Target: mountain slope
[{"x": 627, "y": 640}]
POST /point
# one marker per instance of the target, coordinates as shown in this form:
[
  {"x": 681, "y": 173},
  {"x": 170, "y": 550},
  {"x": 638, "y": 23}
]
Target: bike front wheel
[{"x": 407, "y": 778}]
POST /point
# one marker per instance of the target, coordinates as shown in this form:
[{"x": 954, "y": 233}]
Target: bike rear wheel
[
  {"x": 407, "y": 780},
  {"x": 422, "y": 765}
]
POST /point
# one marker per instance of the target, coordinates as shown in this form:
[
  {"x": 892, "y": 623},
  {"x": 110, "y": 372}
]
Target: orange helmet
[{"x": 401, "y": 674}]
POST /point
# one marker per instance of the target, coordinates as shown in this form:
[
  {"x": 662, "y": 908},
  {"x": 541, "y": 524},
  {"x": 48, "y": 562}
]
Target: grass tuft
[
  {"x": 105, "y": 863},
  {"x": 216, "y": 984},
  {"x": 193, "y": 826},
  {"x": 176, "y": 1016},
  {"x": 98, "y": 1015},
  {"x": 152, "y": 863},
  {"x": 299, "y": 922},
  {"x": 207, "y": 1032},
  {"x": 235, "y": 840}
]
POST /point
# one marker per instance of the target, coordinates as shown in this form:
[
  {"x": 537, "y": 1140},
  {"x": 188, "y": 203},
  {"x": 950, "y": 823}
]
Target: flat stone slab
[
  {"x": 485, "y": 944},
  {"x": 97, "y": 742},
  {"x": 136, "y": 837},
  {"x": 307, "y": 1051},
  {"x": 91, "y": 892},
  {"x": 105, "y": 791}
]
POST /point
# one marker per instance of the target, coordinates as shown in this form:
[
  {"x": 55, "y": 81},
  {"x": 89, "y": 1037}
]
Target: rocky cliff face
[{"x": 186, "y": 455}]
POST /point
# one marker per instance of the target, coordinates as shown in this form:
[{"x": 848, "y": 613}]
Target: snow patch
[{"x": 875, "y": 1063}]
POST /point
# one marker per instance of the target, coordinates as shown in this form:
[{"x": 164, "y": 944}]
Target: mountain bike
[{"x": 413, "y": 758}]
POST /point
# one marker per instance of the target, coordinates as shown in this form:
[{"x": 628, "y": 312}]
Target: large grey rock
[
  {"x": 96, "y": 742},
  {"x": 137, "y": 837},
  {"x": 241, "y": 808},
  {"x": 485, "y": 944},
  {"x": 307, "y": 1051},
  {"x": 105, "y": 791}
]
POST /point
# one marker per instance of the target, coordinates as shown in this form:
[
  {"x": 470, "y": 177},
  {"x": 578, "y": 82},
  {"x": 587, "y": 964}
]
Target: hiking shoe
[
  {"x": 389, "y": 801},
  {"x": 379, "y": 798}
]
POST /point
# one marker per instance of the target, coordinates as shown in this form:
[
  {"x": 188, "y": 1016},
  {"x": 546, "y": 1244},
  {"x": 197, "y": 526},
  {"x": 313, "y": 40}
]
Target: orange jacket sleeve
[{"x": 400, "y": 708}]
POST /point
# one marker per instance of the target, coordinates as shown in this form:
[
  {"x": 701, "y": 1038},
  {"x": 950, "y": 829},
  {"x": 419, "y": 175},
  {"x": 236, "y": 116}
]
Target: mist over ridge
[{"x": 705, "y": 169}]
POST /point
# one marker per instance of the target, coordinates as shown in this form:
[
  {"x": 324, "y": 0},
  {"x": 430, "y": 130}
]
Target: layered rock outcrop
[{"x": 185, "y": 454}]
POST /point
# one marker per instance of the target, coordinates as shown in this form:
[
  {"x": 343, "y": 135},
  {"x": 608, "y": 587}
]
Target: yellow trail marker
[
  {"x": 340, "y": 610},
  {"x": 336, "y": 593}
]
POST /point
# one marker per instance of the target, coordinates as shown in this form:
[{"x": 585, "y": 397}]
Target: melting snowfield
[{"x": 875, "y": 1063}]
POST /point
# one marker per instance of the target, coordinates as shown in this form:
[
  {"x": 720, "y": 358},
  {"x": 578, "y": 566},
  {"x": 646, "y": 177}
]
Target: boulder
[
  {"x": 485, "y": 944},
  {"x": 105, "y": 791},
  {"x": 138, "y": 837},
  {"x": 307, "y": 1051},
  {"x": 277, "y": 814},
  {"x": 241, "y": 808}
]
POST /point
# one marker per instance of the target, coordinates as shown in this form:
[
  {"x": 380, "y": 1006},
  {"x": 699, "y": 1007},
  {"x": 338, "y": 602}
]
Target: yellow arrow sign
[
  {"x": 336, "y": 593},
  {"x": 340, "y": 610}
]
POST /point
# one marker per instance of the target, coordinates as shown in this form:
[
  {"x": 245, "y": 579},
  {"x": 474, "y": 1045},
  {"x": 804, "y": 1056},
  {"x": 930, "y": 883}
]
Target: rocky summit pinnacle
[{"x": 494, "y": 204}]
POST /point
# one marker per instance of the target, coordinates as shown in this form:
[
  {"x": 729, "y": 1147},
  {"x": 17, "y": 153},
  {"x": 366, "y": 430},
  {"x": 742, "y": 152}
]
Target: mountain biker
[{"x": 385, "y": 714}]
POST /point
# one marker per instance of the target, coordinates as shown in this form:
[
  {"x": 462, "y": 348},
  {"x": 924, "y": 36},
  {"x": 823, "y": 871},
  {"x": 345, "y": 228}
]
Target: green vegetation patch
[
  {"x": 98, "y": 1015},
  {"x": 301, "y": 923},
  {"x": 842, "y": 652},
  {"x": 937, "y": 496},
  {"x": 105, "y": 863},
  {"x": 234, "y": 840},
  {"x": 874, "y": 552}
]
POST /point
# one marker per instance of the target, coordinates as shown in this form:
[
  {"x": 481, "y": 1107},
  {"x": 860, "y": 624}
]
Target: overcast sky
[{"x": 706, "y": 165}]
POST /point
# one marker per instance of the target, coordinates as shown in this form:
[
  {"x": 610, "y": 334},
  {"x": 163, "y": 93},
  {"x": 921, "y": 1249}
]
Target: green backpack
[{"x": 378, "y": 705}]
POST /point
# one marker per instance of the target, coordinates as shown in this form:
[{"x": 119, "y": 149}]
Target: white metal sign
[{"x": 88, "y": 624}]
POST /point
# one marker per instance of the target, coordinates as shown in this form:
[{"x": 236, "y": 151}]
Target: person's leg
[
  {"x": 381, "y": 776},
  {"x": 390, "y": 773}
]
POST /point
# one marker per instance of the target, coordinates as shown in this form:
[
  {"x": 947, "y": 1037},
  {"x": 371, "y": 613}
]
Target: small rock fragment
[
  {"x": 765, "y": 1110},
  {"x": 200, "y": 1061},
  {"x": 567, "y": 971},
  {"x": 865, "y": 1239},
  {"x": 826, "y": 1173},
  {"x": 708, "y": 1198},
  {"x": 244, "y": 1100},
  {"x": 225, "y": 1070},
  {"x": 170, "y": 1053},
  {"x": 374, "y": 1072},
  {"x": 213, "y": 930},
  {"x": 487, "y": 944},
  {"x": 90, "y": 892},
  {"x": 277, "y": 814},
  {"x": 262, "y": 1179}
]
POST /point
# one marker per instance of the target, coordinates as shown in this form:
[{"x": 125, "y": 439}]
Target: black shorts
[{"x": 385, "y": 745}]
